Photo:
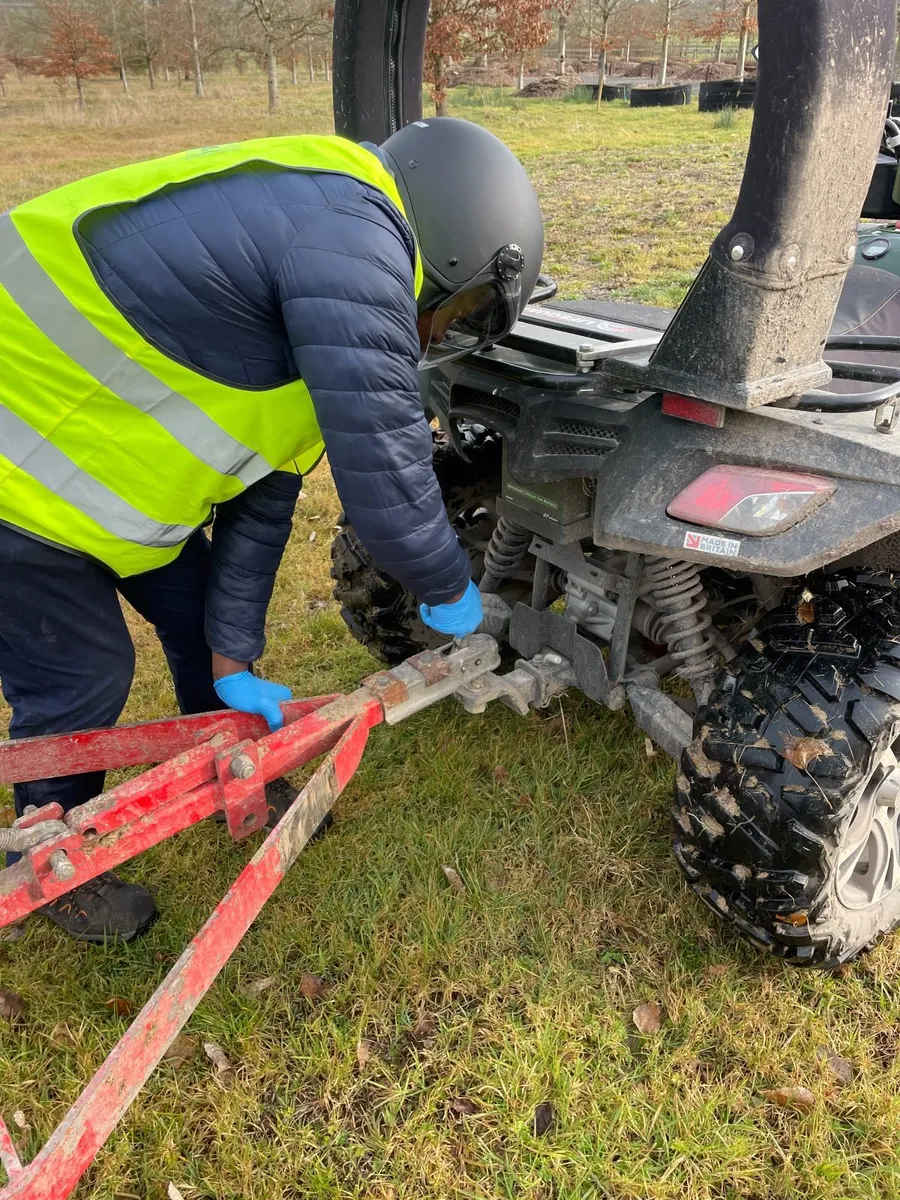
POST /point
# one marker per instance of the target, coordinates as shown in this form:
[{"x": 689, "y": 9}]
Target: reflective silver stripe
[
  {"x": 43, "y": 302},
  {"x": 43, "y": 461}
]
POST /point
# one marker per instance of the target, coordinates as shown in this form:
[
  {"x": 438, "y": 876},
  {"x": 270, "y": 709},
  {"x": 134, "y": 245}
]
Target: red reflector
[{"x": 687, "y": 408}]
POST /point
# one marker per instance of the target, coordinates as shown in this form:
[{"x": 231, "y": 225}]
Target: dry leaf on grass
[
  {"x": 12, "y": 1007},
  {"x": 553, "y": 725},
  {"x": 542, "y": 1119},
  {"x": 313, "y": 987},
  {"x": 173, "y": 1193},
  {"x": 181, "y": 1051},
  {"x": 800, "y": 1098},
  {"x": 697, "y": 1069},
  {"x": 12, "y": 933},
  {"x": 221, "y": 1061},
  {"x": 801, "y": 751},
  {"x": 424, "y": 1029},
  {"x": 63, "y": 1035},
  {"x": 19, "y": 1119},
  {"x": 716, "y": 971},
  {"x": 312, "y": 536},
  {"x": 884, "y": 1048},
  {"x": 256, "y": 987},
  {"x": 120, "y": 1006},
  {"x": 463, "y": 1106},
  {"x": 500, "y": 774},
  {"x": 839, "y": 1067},
  {"x": 365, "y": 1048},
  {"x": 647, "y": 1017},
  {"x": 649, "y": 748},
  {"x": 453, "y": 877}
]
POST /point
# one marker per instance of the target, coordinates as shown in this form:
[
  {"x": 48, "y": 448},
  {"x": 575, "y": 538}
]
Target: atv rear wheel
[
  {"x": 787, "y": 814},
  {"x": 379, "y": 612}
]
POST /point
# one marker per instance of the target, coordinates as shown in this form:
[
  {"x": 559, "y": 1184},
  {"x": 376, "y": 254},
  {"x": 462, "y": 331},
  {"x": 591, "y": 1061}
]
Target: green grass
[{"x": 520, "y": 990}]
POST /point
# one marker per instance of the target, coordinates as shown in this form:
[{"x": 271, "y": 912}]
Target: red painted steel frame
[{"x": 141, "y": 813}]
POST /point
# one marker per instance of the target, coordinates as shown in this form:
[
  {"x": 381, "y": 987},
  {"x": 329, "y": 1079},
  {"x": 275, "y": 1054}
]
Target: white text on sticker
[{"x": 709, "y": 543}]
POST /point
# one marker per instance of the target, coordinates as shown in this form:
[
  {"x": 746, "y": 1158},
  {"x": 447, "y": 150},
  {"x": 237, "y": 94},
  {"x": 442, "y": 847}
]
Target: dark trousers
[{"x": 66, "y": 657}]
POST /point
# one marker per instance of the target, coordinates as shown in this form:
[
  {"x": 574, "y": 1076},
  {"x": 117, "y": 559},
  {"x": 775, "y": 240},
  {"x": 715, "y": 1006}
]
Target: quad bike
[{"x": 710, "y": 495}]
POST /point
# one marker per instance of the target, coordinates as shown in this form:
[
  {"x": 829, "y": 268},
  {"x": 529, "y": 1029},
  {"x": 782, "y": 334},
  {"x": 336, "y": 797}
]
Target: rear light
[{"x": 749, "y": 500}]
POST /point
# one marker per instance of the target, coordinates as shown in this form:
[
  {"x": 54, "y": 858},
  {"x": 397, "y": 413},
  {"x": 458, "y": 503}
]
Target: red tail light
[{"x": 749, "y": 500}]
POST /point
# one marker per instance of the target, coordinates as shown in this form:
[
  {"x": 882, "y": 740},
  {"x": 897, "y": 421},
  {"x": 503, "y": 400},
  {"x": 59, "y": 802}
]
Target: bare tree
[
  {"x": 273, "y": 23},
  {"x": 306, "y": 20},
  {"x": 116, "y": 40},
  {"x": 148, "y": 38},
  {"x": 605, "y": 11},
  {"x": 669, "y": 10},
  {"x": 747, "y": 25},
  {"x": 196, "y": 67},
  {"x": 563, "y": 12}
]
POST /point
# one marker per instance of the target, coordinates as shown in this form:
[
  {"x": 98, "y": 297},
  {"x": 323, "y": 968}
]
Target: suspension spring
[
  {"x": 504, "y": 554},
  {"x": 683, "y": 623}
]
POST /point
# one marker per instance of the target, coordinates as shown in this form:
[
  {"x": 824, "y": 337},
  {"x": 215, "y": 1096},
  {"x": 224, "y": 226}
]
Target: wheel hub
[{"x": 869, "y": 860}]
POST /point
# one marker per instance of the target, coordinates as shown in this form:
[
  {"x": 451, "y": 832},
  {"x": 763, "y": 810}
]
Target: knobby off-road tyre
[
  {"x": 378, "y": 611},
  {"x": 787, "y": 817}
]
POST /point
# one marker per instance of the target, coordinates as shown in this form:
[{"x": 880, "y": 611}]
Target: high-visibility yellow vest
[{"x": 107, "y": 445}]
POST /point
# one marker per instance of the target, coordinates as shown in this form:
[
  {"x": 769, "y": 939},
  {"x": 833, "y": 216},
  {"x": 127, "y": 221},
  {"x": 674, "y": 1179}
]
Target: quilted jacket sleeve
[
  {"x": 249, "y": 535},
  {"x": 346, "y": 290}
]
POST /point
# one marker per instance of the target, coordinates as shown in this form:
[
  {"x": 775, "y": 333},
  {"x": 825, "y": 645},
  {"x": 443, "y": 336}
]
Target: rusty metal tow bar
[{"x": 208, "y": 763}]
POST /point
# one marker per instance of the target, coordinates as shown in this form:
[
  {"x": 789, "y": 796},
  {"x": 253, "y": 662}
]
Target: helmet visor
[{"x": 478, "y": 314}]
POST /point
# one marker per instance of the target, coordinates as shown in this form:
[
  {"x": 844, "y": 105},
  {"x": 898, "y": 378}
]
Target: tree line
[
  {"x": 167, "y": 41},
  {"x": 182, "y": 41}
]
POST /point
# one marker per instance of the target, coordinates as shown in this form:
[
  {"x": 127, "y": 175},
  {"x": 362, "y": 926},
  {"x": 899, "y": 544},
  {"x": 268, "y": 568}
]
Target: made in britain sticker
[{"x": 709, "y": 543}]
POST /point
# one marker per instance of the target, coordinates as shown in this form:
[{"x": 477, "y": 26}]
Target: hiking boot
[
  {"x": 103, "y": 910},
  {"x": 280, "y": 795}
]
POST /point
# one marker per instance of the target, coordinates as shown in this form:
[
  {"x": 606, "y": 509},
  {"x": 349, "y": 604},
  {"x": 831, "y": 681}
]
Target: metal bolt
[
  {"x": 553, "y": 659},
  {"x": 538, "y": 659},
  {"x": 242, "y": 766},
  {"x": 737, "y": 253},
  {"x": 61, "y": 865}
]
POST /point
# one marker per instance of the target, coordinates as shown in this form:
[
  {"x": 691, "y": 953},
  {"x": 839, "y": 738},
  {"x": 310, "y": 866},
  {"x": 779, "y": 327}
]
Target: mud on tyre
[{"x": 787, "y": 812}]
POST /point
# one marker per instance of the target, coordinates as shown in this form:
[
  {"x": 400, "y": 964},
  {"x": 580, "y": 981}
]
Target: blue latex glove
[
  {"x": 458, "y": 619},
  {"x": 250, "y": 694}
]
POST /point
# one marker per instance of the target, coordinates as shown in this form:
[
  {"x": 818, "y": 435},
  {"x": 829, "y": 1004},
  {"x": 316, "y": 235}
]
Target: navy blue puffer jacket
[{"x": 262, "y": 275}]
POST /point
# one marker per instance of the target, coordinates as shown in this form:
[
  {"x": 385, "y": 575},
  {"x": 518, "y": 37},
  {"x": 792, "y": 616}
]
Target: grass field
[{"x": 451, "y": 1016}]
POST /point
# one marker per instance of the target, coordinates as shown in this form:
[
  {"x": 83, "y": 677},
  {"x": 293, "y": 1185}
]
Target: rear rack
[
  {"x": 576, "y": 340},
  {"x": 878, "y": 398}
]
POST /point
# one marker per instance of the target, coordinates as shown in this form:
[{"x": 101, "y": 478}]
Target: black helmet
[{"x": 478, "y": 225}]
